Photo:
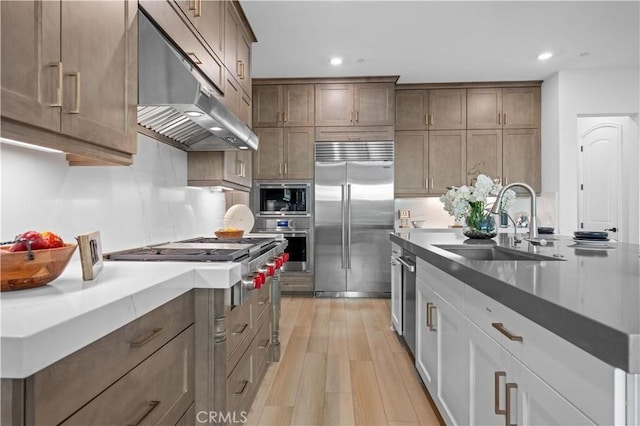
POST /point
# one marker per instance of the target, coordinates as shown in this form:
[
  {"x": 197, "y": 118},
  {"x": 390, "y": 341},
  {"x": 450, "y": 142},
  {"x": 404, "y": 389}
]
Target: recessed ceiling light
[
  {"x": 336, "y": 61},
  {"x": 215, "y": 128},
  {"x": 544, "y": 56},
  {"x": 194, "y": 113}
]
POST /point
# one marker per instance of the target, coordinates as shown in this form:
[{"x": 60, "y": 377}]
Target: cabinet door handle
[
  {"x": 499, "y": 118},
  {"x": 195, "y": 58},
  {"x": 357, "y": 115},
  {"x": 431, "y": 119},
  {"x": 58, "y": 102},
  {"x": 496, "y": 390},
  {"x": 152, "y": 406},
  {"x": 263, "y": 300},
  {"x": 198, "y": 11},
  {"x": 504, "y": 120},
  {"x": 431, "y": 183},
  {"x": 279, "y": 168},
  {"x": 264, "y": 344},
  {"x": 240, "y": 328},
  {"x": 76, "y": 74},
  {"x": 506, "y": 181},
  {"x": 194, "y": 5},
  {"x": 351, "y": 116},
  {"x": 284, "y": 117},
  {"x": 431, "y": 312},
  {"x": 286, "y": 171},
  {"x": 507, "y": 390},
  {"x": 155, "y": 333},
  {"x": 243, "y": 385},
  {"x": 240, "y": 70},
  {"x": 500, "y": 327},
  {"x": 426, "y": 119}
]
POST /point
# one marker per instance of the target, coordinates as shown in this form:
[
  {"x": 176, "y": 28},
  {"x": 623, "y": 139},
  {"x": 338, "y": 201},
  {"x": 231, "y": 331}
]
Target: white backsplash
[
  {"x": 148, "y": 202},
  {"x": 431, "y": 210}
]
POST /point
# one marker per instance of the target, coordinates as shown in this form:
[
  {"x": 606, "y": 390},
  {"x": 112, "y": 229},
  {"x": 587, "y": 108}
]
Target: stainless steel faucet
[{"x": 533, "y": 221}]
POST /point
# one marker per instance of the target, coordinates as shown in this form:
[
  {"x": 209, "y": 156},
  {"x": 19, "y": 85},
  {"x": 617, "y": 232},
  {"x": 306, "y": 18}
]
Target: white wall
[
  {"x": 583, "y": 92},
  {"x": 145, "y": 203}
]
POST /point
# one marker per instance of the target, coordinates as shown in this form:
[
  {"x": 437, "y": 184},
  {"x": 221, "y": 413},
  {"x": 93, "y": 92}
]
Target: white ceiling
[{"x": 441, "y": 41}]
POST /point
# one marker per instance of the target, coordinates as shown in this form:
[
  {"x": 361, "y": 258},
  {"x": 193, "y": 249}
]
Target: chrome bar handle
[
  {"x": 404, "y": 263},
  {"x": 349, "y": 226},
  {"x": 342, "y": 233}
]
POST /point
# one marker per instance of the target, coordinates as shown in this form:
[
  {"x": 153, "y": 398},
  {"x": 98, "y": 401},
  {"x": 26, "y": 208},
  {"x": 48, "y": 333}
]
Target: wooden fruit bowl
[
  {"x": 17, "y": 272},
  {"x": 229, "y": 234}
]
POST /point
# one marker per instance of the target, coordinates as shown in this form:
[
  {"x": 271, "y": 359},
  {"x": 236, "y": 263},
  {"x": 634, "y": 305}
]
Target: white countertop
[{"x": 42, "y": 325}]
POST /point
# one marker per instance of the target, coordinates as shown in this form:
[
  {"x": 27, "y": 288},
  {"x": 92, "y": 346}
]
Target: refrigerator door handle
[
  {"x": 348, "y": 226},
  {"x": 342, "y": 233}
]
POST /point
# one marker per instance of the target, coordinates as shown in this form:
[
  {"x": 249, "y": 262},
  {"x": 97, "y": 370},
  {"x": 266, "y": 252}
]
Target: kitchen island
[
  {"x": 162, "y": 341},
  {"x": 568, "y": 313}
]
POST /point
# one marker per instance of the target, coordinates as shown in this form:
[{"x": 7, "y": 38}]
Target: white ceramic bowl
[{"x": 419, "y": 223}]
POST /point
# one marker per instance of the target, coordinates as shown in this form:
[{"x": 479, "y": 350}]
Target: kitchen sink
[{"x": 487, "y": 252}]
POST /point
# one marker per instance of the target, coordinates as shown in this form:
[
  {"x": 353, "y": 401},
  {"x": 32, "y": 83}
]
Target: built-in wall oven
[{"x": 286, "y": 208}]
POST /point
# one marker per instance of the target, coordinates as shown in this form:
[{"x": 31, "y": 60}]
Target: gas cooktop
[{"x": 202, "y": 249}]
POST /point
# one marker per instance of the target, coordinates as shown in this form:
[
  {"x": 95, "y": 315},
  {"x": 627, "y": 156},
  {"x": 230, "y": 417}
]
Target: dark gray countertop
[{"x": 591, "y": 298}]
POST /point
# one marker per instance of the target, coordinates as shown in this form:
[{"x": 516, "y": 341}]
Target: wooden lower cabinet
[
  {"x": 296, "y": 283},
  {"x": 158, "y": 391}
]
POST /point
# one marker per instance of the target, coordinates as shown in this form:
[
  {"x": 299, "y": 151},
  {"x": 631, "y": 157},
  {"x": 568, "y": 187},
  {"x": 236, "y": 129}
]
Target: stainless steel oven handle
[{"x": 411, "y": 268}]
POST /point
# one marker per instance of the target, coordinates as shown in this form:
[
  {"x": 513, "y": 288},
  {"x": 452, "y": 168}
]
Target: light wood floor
[{"x": 340, "y": 364}]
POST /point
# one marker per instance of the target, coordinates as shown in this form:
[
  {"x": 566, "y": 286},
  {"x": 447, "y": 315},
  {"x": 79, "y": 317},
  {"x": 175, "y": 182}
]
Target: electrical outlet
[{"x": 404, "y": 213}]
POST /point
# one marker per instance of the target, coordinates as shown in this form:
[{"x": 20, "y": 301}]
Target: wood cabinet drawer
[
  {"x": 590, "y": 384},
  {"x": 261, "y": 301},
  {"x": 447, "y": 287},
  {"x": 262, "y": 342},
  {"x": 240, "y": 382},
  {"x": 67, "y": 385},
  {"x": 354, "y": 134},
  {"x": 158, "y": 391},
  {"x": 189, "y": 417},
  {"x": 295, "y": 283},
  {"x": 239, "y": 331}
]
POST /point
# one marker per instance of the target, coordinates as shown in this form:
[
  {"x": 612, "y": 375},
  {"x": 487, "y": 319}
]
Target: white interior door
[{"x": 600, "y": 174}]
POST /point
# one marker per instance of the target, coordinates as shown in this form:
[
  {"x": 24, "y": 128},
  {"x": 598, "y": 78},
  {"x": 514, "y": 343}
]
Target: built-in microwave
[{"x": 278, "y": 198}]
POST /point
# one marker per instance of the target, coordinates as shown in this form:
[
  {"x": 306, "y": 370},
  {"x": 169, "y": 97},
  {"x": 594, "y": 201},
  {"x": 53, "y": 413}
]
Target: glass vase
[{"x": 479, "y": 224}]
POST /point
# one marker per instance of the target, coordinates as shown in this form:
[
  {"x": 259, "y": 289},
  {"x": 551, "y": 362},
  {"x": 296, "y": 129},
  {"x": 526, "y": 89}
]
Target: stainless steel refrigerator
[{"x": 353, "y": 218}]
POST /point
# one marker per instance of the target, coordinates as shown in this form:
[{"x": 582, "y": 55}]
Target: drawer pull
[
  {"x": 263, "y": 300},
  {"x": 430, "y": 310},
  {"x": 152, "y": 406},
  {"x": 498, "y": 326},
  {"x": 507, "y": 390},
  {"x": 496, "y": 389},
  {"x": 240, "y": 328},
  {"x": 264, "y": 344},
  {"x": 243, "y": 385},
  {"x": 155, "y": 333}
]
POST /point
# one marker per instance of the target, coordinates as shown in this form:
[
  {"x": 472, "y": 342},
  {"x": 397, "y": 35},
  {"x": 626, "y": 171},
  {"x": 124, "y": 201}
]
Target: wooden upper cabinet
[
  {"x": 78, "y": 62},
  {"x": 521, "y": 157},
  {"x": 98, "y": 77},
  {"x": 374, "y": 104},
  {"x": 503, "y": 108},
  {"x": 283, "y": 105},
  {"x": 284, "y": 153},
  {"x": 521, "y": 108},
  {"x": 334, "y": 104},
  {"x": 237, "y": 46},
  {"x": 447, "y": 160},
  {"x": 447, "y": 109},
  {"x": 484, "y": 108},
  {"x": 411, "y": 162},
  {"x": 484, "y": 154},
  {"x": 358, "y": 104},
  {"x": 208, "y": 19},
  {"x": 436, "y": 109},
  {"x": 298, "y": 105},
  {"x": 31, "y": 70},
  {"x": 412, "y": 109}
]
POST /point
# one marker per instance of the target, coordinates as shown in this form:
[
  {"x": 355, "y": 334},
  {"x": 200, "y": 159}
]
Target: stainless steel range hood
[{"x": 176, "y": 101}]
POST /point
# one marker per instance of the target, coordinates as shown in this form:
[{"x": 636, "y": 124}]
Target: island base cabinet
[
  {"x": 158, "y": 391},
  {"x": 502, "y": 391},
  {"x": 440, "y": 353}
]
